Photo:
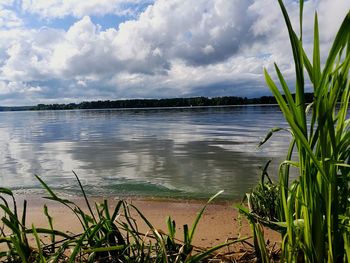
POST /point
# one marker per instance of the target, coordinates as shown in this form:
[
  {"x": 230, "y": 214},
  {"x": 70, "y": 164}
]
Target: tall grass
[{"x": 314, "y": 212}]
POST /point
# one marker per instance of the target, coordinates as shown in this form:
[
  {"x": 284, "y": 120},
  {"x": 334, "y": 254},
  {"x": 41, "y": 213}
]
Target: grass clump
[
  {"x": 109, "y": 235},
  {"x": 314, "y": 209}
]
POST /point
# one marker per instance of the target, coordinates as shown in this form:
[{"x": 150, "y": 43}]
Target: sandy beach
[{"x": 219, "y": 223}]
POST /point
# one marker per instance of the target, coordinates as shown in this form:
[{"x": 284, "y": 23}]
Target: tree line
[{"x": 155, "y": 103}]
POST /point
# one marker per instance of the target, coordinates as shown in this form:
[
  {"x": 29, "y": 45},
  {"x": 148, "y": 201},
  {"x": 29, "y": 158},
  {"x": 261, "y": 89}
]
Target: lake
[{"x": 175, "y": 152}]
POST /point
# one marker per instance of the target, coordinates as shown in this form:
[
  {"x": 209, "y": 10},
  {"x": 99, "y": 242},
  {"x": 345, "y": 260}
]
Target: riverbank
[{"x": 220, "y": 221}]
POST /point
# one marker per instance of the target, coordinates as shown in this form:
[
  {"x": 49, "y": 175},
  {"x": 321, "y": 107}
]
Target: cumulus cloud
[
  {"x": 173, "y": 48},
  {"x": 77, "y": 8}
]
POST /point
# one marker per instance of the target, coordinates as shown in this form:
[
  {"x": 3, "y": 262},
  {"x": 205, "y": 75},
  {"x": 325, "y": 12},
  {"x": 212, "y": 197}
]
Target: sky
[{"x": 63, "y": 51}]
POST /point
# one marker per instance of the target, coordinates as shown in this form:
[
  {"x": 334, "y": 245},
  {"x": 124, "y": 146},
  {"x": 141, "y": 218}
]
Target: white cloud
[
  {"x": 6, "y": 2},
  {"x": 9, "y": 19},
  {"x": 267, "y": 17},
  {"x": 174, "y": 48},
  {"x": 77, "y": 8},
  {"x": 17, "y": 87},
  {"x": 28, "y": 54}
]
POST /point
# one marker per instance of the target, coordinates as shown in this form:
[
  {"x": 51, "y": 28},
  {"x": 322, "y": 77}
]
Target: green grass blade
[
  {"x": 196, "y": 221},
  {"x": 281, "y": 102},
  {"x": 85, "y": 197},
  {"x": 107, "y": 214},
  {"x": 38, "y": 245},
  {"x": 14, "y": 227},
  {"x": 105, "y": 249},
  {"x": 78, "y": 246},
  {"x": 51, "y": 232},
  {"x": 299, "y": 68},
  {"x": 316, "y": 55},
  {"x": 64, "y": 202},
  {"x": 24, "y": 213},
  {"x": 308, "y": 66},
  {"x": 6, "y": 191},
  {"x": 49, "y": 219},
  {"x": 286, "y": 91},
  {"x": 116, "y": 210},
  {"x": 269, "y": 135},
  {"x": 301, "y": 9},
  {"x": 171, "y": 228},
  {"x": 186, "y": 235},
  {"x": 199, "y": 257},
  {"x": 12, "y": 216},
  {"x": 23, "y": 221},
  {"x": 47, "y": 187}
]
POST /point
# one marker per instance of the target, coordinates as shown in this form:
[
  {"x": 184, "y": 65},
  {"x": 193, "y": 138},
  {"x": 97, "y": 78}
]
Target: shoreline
[
  {"x": 41, "y": 193},
  {"x": 219, "y": 223}
]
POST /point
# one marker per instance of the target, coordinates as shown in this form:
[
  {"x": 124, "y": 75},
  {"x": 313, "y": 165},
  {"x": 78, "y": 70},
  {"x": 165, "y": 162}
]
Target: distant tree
[{"x": 148, "y": 103}]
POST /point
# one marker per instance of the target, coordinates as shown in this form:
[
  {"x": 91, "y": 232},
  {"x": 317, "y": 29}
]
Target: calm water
[{"x": 189, "y": 153}]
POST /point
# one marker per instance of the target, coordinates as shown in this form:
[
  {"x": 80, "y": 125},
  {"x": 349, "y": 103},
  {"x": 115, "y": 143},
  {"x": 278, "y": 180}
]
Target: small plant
[
  {"x": 263, "y": 207},
  {"x": 264, "y": 199}
]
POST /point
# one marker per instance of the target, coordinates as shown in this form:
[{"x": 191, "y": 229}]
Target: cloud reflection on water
[{"x": 192, "y": 153}]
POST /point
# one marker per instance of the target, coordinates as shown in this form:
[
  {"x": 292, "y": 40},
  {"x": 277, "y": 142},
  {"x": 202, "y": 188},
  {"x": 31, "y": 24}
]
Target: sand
[{"x": 219, "y": 223}]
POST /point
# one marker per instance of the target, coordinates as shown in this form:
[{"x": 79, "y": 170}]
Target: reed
[{"x": 314, "y": 211}]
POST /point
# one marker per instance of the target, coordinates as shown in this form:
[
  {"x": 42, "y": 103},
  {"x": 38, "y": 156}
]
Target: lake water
[{"x": 180, "y": 153}]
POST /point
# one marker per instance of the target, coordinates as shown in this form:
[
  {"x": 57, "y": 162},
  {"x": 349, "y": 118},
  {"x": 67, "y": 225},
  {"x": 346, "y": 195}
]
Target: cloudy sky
[{"x": 58, "y": 51}]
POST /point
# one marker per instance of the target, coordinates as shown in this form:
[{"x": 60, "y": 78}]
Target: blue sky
[
  {"x": 65, "y": 21},
  {"x": 69, "y": 51}
]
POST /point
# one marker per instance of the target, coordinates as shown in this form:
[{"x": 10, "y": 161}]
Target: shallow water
[{"x": 187, "y": 152}]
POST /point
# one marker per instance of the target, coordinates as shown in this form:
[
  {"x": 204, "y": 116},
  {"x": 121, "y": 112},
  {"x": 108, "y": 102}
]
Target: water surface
[{"x": 187, "y": 152}]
